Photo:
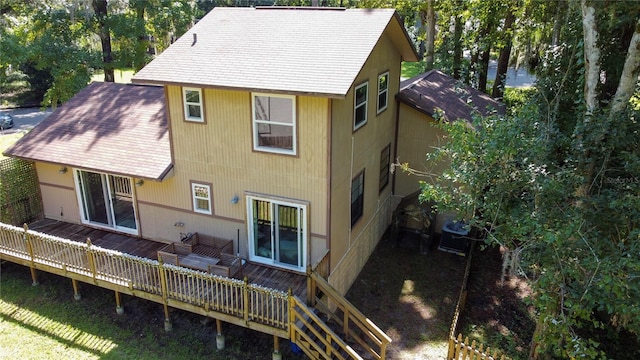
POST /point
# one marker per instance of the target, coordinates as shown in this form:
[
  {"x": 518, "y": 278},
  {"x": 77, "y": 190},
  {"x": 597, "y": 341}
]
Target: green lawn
[
  {"x": 121, "y": 76},
  {"x": 8, "y": 140},
  {"x": 45, "y": 322},
  {"x": 411, "y": 69}
]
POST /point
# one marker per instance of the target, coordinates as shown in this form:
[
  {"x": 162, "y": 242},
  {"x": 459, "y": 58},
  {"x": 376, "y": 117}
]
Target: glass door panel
[
  {"x": 277, "y": 233},
  {"x": 287, "y": 231},
  {"x": 122, "y": 202},
  {"x": 263, "y": 245},
  {"x": 106, "y": 200},
  {"x": 93, "y": 196}
]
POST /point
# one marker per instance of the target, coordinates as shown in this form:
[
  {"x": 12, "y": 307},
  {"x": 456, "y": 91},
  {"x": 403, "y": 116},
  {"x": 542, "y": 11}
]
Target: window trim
[
  {"x": 385, "y": 91},
  {"x": 385, "y": 154},
  {"x": 194, "y": 198},
  {"x": 293, "y": 125},
  {"x": 364, "y": 104},
  {"x": 185, "y": 105},
  {"x": 359, "y": 199}
]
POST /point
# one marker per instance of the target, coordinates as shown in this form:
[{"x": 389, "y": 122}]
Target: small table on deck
[{"x": 198, "y": 262}]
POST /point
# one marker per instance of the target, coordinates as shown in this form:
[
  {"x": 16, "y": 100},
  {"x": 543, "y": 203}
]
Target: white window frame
[
  {"x": 186, "y": 105},
  {"x": 255, "y": 123},
  {"x": 195, "y": 198},
  {"x": 302, "y": 231},
  {"x": 383, "y": 91},
  {"x": 363, "y": 104}
]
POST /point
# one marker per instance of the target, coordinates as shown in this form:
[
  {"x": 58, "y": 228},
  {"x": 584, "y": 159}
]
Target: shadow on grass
[
  {"x": 409, "y": 295},
  {"x": 91, "y": 328}
]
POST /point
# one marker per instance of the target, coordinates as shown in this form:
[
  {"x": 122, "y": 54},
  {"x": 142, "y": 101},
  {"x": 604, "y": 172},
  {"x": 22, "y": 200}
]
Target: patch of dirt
[
  {"x": 412, "y": 297},
  {"x": 497, "y": 314}
]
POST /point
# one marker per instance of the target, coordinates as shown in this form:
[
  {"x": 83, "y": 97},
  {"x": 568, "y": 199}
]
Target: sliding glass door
[
  {"x": 106, "y": 201},
  {"x": 277, "y": 233}
]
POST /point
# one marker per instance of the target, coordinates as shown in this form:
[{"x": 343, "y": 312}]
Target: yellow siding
[
  {"x": 58, "y": 194},
  {"x": 220, "y": 153},
  {"x": 416, "y": 137},
  {"x": 350, "y": 153}
]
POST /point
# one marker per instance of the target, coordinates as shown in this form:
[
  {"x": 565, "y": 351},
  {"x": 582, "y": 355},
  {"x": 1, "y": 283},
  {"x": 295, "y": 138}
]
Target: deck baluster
[{"x": 34, "y": 275}]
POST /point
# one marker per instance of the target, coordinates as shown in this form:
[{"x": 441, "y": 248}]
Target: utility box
[{"x": 454, "y": 238}]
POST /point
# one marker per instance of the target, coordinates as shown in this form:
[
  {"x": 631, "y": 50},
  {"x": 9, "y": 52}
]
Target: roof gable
[
  {"x": 106, "y": 127},
  {"x": 435, "y": 90},
  {"x": 312, "y": 51}
]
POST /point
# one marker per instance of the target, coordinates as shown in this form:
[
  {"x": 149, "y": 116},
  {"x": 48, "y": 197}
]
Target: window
[
  {"x": 383, "y": 91},
  {"x": 357, "y": 197},
  {"x": 274, "y": 123},
  {"x": 201, "y": 194},
  {"x": 385, "y": 159},
  {"x": 192, "y": 104},
  {"x": 277, "y": 232},
  {"x": 360, "y": 106},
  {"x": 106, "y": 201}
]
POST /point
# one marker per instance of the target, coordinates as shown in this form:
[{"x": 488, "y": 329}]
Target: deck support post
[
  {"x": 220, "y": 341},
  {"x": 276, "y": 349},
  {"x": 119, "y": 307},
  {"x": 163, "y": 282},
  {"x": 76, "y": 292},
  {"x": 32, "y": 267}
]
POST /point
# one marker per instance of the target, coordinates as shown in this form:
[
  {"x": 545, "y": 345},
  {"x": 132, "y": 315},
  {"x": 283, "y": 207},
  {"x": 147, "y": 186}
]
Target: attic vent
[{"x": 195, "y": 39}]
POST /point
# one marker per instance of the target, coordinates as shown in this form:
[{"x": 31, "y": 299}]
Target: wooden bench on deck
[{"x": 204, "y": 253}]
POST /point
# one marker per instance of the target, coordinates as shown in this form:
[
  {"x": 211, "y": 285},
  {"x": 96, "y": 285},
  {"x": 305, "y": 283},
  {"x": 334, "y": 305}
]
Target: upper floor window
[
  {"x": 385, "y": 159},
  {"x": 383, "y": 91},
  {"x": 192, "y": 98},
  {"x": 357, "y": 197},
  {"x": 201, "y": 194},
  {"x": 274, "y": 123},
  {"x": 360, "y": 106}
]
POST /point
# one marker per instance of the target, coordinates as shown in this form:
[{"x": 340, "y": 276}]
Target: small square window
[
  {"x": 201, "y": 194},
  {"x": 385, "y": 159},
  {"x": 192, "y": 98},
  {"x": 357, "y": 197},
  {"x": 383, "y": 91},
  {"x": 360, "y": 106}
]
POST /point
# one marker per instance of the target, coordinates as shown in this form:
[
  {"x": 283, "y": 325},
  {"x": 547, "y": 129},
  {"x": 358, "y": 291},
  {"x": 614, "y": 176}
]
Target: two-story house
[{"x": 274, "y": 127}]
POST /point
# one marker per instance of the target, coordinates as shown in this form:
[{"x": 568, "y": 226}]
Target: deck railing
[
  {"x": 163, "y": 283},
  {"x": 354, "y": 324}
]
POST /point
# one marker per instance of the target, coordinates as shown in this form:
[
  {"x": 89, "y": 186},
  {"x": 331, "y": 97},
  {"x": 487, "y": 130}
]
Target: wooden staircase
[{"x": 350, "y": 336}]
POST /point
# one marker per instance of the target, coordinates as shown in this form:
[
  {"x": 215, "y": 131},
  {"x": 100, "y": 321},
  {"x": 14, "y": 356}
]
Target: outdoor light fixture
[
  {"x": 234, "y": 199},
  {"x": 139, "y": 182},
  {"x": 63, "y": 170}
]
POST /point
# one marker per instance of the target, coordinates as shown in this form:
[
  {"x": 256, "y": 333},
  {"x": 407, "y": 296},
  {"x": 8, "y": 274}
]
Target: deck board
[{"x": 266, "y": 276}]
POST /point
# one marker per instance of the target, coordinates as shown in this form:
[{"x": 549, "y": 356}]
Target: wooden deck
[{"x": 256, "y": 273}]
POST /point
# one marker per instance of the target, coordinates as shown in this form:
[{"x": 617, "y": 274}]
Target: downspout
[
  {"x": 395, "y": 145},
  {"x": 351, "y": 179}
]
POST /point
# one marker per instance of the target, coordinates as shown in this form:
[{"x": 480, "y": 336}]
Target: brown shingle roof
[
  {"x": 106, "y": 127},
  {"x": 311, "y": 51},
  {"x": 434, "y": 89}
]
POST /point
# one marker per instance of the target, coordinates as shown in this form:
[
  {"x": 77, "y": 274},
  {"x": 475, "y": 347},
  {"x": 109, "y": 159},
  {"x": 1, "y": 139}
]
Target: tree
[
  {"x": 103, "y": 31},
  {"x": 557, "y": 184}
]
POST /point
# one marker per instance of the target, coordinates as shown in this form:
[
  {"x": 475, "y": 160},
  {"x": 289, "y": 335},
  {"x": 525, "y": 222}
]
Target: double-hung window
[
  {"x": 201, "y": 194},
  {"x": 383, "y": 91},
  {"x": 357, "y": 197},
  {"x": 274, "y": 123},
  {"x": 360, "y": 106},
  {"x": 192, "y": 98}
]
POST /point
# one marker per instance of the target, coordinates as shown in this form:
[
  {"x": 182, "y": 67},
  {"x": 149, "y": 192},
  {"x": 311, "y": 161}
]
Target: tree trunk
[
  {"x": 484, "y": 48},
  {"x": 630, "y": 73},
  {"x": 430, "y": 32},
  {"x": 503, "y": 60},
  {"x": 143, "y": 43},
  {"x": 457, "y": 44},
  {"x": 100, "y": 8},
  {"x": 591, "y": 57}
]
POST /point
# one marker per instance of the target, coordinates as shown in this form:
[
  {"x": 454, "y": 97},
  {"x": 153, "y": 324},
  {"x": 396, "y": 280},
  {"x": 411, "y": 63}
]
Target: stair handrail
[
  {"x": 326, "y": 338},
  {"x": 351, "y": 314}
]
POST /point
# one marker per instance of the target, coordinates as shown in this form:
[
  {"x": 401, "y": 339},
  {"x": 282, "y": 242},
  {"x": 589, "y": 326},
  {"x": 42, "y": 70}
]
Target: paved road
[{"x": 25, "y": 119}]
